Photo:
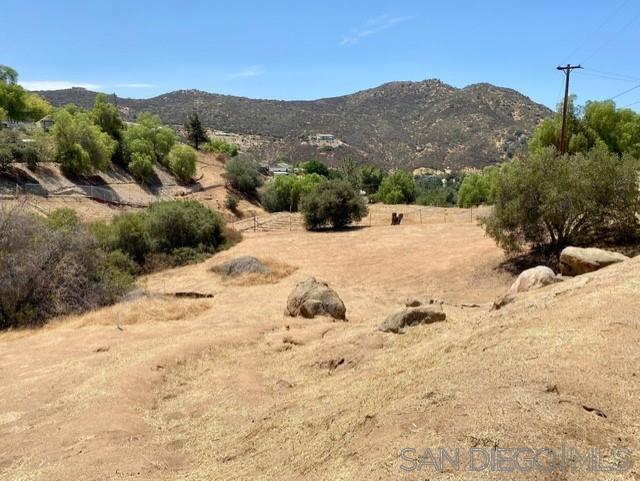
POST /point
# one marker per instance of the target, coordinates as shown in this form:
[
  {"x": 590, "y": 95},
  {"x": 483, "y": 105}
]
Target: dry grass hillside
[{"x": 227, "y": 388}]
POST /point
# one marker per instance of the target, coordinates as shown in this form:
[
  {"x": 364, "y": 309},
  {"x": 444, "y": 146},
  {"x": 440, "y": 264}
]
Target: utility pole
[{"x": 565, "y": 106}]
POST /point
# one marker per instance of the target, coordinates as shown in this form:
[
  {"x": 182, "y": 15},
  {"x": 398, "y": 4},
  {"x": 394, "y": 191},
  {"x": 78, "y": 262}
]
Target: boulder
[
  {"x": 576, "y": 260},
  {"x": 420, "y": 301},
  {"x": 241, "y": 265},
  {"x": 533, "y": 278},
  {"x": 412, "y": 316},
  {"x": 313, "y": 297}
]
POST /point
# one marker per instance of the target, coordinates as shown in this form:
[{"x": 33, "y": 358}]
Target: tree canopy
[{"x": 16, "y": 103}]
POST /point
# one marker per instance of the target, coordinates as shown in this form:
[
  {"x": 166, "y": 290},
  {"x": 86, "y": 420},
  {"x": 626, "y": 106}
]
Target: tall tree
[
  {"x": 195, "y": 131},
  {"x": 106, "y": 116}
]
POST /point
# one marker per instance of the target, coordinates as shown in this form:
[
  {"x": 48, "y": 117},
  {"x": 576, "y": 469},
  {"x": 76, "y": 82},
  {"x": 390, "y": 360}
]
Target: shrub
[
  {"x": 438, "y": 196},
  {"x": 149, "y": 137},
  {"x": 175, "y": 224},
  {"x": 334, "y": 203},
  {"x": 81, "y": 146},
  {"x": 283, "y": 193},
  {"x": 315, "y": 167},
  {"x": 6, "y": 157},
  {"x": 397, "y": 188},
  {"x": 548, "y": 201},
  {"x": 182, "y": 162},
  {"x": 50, "y": 268},
  {"x": 243, "y": 174},
  {"x": 370, "y": 178},
  {"x": 221, "y": 147},
  {"x": 231, "y": 202},
  {"x": 478, "y": 189}
]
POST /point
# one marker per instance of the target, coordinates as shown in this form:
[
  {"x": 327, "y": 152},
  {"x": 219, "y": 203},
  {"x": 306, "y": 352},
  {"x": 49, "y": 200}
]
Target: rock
[
  {"x": 533, "y": 278},
  {"x": 241, "y": 265},
  {"x": 420, "y": 301},
  {"x": 412, "y": 316},
  {"x": 575, "y": 260},
  {"x": 312, "y": 297}
]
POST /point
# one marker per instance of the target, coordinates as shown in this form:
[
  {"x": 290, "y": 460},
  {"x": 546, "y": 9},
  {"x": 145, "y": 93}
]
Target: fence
[
  {"x": 379, "y": 215},
  {"x": 103, "y": 194}
]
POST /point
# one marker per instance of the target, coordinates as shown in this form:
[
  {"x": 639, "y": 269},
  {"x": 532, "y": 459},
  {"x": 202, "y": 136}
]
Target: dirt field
[{"x": 160, "y": 388}]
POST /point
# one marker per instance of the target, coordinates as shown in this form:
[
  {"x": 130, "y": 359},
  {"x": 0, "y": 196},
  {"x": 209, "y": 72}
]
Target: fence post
[
  {"x": 472, "y": 214},
  {"x": 421, "y": 216},
  {"x": 369, "y": 218},
  {"x": 254, "y": 223}
]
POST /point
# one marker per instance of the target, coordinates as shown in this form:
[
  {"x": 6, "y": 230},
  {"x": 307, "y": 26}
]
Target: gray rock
[
  {"x": 241, "y": 265},
  {"x": 533, "y": 278},
  {"x": 312, "y": 297},
  {"x": 575, "y": 260},
  {"x": 421, "y": 301},
  {"x": 412, "y": 316}
]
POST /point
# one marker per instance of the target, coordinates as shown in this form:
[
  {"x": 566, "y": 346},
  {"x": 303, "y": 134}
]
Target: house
[
  {"x": 280, "y": 169},
  {"x": 45, "y": 123},
  {"x": 326, "y": 137}
]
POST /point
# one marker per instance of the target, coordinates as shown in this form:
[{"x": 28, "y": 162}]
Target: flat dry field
[{"x": 160, "y": 388}]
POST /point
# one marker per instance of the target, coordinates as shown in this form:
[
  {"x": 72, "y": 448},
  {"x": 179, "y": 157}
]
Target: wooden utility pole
[{"x": 565, "y": 106}]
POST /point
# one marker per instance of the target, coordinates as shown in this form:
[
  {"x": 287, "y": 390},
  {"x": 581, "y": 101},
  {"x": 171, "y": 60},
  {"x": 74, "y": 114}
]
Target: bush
[
  {"x": 283, "y": 193},
  {"x": 334, "y": 203},
  {"x": 370, "y": 178},
  {"x": 219, "y": 146},
  {"x": 182, "y": 162},
  {"x": 548, "y": 201},
  {"x": 397, "y": 188},
  {"x": 81, "y": 146},
  {"x": 478, "y": 189},
  {"x": 6, "y": 157},
  {"x": 315, "y": 167},
  {"x": 231, "y": 202},
  {"x": 51, "y": 267},
  {"x": 176, "y": 224},
  {"x": 243, "y": 174},
  {"x": 149, "y": 138}
]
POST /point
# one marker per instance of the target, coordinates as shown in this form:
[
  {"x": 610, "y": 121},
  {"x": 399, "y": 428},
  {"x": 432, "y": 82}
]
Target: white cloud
[
  {"x": 136, "y": 86},
  {"x": 372, "y": 27},
  {"x": 57, "y": 85},
  {"x": 254, "y": 71}
]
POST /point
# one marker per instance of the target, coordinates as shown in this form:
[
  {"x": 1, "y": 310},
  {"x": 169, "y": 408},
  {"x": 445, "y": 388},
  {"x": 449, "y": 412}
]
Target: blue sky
[{"x": 304, "y": 50}]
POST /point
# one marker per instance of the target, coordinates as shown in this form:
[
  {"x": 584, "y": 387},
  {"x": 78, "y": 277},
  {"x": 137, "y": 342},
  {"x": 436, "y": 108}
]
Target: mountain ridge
[{"x": 400, "y": 124}]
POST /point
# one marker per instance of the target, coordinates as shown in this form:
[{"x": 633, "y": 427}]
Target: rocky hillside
[{"x": 399, "y": 124}]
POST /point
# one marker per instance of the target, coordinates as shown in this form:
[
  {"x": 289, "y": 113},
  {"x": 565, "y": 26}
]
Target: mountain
[{"x": 399, "y": 124}]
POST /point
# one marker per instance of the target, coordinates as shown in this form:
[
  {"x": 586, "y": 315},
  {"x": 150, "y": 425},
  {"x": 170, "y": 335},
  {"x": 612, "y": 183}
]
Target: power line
[
  {"x": 609, "y": 77},
  {"x": 621, "y": 76},
  {"x": 608, "y": 41},
  {"x": 600, "y": 27},
  {"x": 625, "y": 92}
]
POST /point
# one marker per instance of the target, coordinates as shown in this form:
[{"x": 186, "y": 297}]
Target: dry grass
[{"x": 277, "y": 270}]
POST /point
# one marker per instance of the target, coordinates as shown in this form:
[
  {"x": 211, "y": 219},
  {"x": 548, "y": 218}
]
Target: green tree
[
  {"x": 397, "y": 188},
  {"x": 550, "y": 201},
  {"x": 182, "y": 162},
  {"x": 150, "y": 128},
  {"x": 195, "y": 131},
  {"x": 479, "y": 188},
  {"x": 243, "y": 174},
  {"x": 16, "y": 102},
  {"x": 284, "y": 191},
  {"x": 8, "y": 75},
  {"x": 315, "y": 167},
  {"x": 221, "y": 147},
  {"x": 334, "y": 203},
  {"x": 81, "y": 146},
  {"x": 106, "y": 116},
  {"x": 370, "y": 178}
]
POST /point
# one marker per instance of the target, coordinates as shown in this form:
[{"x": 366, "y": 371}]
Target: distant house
[
  {"x": 45, "y": 123},
  {"x": 280, "y": 169},
  {"x": 325, "y": 137}
]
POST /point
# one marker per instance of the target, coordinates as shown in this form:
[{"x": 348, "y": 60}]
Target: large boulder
[
  {"x": 576, "y": 260},
  {"x": 313, "y": 297},
  {"x": 533, "y": 278},
  {"x": 412, "y": 316},
  {"x": 241, "y": 265}
]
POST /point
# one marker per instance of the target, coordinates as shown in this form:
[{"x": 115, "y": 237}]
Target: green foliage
[
  {"x": 16, "y": 102},
  {"x": 106, "y": 116},
  {"x": 598, "y": 124},
  {"x": 175, "y": 224},
  {"x": 195, "y": 131},
  {"x": 182, "y": 162},
  {"x": 478, "y": 189},
  {"x": 315, "y": 167},
  {"x": 243, "y": 174},
  {"x": 64, "y": 219},
  {"x": 397, "y": 188},
  {"x": 231, "y": 202},
  {"x": 284, "y": 191},
  {"x": 6, "y": 157},
  {"x": 149, "y": 129},
  {"x": 81, "y": 146},
  {"x": 370, "y": 177},
  {"x": 334, "y": 202},
  {"x": 548, "y": 201},
  {"x": 221, "y": 147}
]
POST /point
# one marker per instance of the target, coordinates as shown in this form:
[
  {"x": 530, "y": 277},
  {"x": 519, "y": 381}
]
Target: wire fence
[
  {"x": 100, "y": 193},
  {"x": 379, "y": 215}
]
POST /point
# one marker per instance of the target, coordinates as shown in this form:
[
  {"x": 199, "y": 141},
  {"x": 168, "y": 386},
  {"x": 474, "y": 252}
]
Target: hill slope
[{"x": 399, "y": 124}]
